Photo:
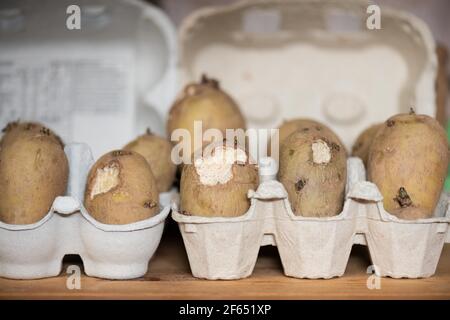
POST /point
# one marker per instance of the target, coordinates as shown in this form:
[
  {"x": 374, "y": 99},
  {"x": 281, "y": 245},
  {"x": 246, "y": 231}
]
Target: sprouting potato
[
  {"x": 408, "y": 162},
  {"x": 34, "y": 170},
  {"x": 205, "y": 102},
  {"x": 313, "y": 170},
  {"x": 217, "y": 184}
]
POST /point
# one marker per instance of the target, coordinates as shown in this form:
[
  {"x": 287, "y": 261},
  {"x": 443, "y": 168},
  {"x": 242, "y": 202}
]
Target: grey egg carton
[
  {"x": 309, "y": 247},
  {"x": 108, "y": 251}
]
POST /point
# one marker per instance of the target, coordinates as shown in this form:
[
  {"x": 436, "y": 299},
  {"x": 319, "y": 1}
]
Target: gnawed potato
[
  {"x": 121, "y": 189},
  {"x": 216, "y": 185},
  {"x": 313, "y": 170},
  {"x": 303, "y": 124}
]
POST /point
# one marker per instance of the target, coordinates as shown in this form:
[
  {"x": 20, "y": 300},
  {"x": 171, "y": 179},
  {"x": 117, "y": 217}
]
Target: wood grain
[{"x": 169, "y": 278}]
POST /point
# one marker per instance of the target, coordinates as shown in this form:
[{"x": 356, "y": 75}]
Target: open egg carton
[
  {"x": 108, "y": 251},
  {"x": 314, "y": 59},
  {"x": 103, "y": 84},
  {"x": 227, "y": 248}
]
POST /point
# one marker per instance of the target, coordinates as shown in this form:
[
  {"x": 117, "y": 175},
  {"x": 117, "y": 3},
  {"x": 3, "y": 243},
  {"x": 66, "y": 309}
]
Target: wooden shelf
[{"x": 169, "y": 277}]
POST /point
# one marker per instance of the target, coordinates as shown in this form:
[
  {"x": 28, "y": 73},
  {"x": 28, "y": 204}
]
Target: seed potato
[
  {"x": 313, "y": 170},
  {"x": 362, "y": 144},
  {"x": 408, "y": 162},
  {"x": 217, "y": 186},
  {"x": 33, "y": 171},
  {"x": 121, "y": 189},
  {"x": 205, "y": 102},
  {"x": 157, "y": 151},
  {"x": 304, "y": 124}
]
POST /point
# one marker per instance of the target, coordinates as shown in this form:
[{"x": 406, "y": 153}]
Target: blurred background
[{"x": 434, "y": 12}]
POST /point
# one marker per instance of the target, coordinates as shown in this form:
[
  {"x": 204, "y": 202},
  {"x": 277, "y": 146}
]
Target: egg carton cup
[
  {"x": 309, "y": 247},
  {"x": 401, "y": 248},
  {"x": 108, "y": 251}
]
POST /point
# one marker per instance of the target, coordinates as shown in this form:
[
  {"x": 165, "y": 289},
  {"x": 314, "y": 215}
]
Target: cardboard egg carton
[
  {"x": 227, "y": 248},
  {"x": 108, "y": 251},
  {"x": 320, "y": 60}
]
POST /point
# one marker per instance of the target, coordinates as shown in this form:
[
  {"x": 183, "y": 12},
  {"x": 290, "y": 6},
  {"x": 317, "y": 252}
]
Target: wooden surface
[{"x": 169, "y": 278}]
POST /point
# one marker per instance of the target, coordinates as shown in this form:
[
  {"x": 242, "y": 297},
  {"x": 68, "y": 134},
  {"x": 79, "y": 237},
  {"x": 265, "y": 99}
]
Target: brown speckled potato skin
[
  {"x": 304, "y": 124},
  {"x": 135, "y": 198},
  {"x": 204, "y": 102},
  {"x": 157, "y": 151},
  {"x": 290, "y": 126},
  {"x": 221, "y": 200},
  {"x": 362, "y": 144},
  {"x": 409, "y": 151},
  {"x": 33, "y": 171},
  {"x": 314, "y": 190}
]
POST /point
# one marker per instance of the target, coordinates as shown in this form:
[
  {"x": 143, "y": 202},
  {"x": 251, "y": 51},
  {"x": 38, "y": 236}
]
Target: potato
[
  {"x": 33, "y": 171},
  {"x": 157, "y": 151},
  {"x": 121, "y": 189},
  {"x": 204, "y": 102},
  {"x": 364, "y": 141},
  {"x": 313, "y": 170},
  {"x": 290, "y": 126},
  {"x": 217, "y": 186},
  {"x": 408, "y": 162}
]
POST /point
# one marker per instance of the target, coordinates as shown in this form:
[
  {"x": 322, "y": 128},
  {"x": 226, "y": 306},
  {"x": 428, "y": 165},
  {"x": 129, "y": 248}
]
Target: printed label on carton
[{"x": 54, "y": 90}]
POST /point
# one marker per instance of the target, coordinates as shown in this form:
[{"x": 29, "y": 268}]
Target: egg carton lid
[{"x": 313, "y": 59}]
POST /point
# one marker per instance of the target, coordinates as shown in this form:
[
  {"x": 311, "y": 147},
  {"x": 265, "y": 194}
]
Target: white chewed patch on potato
[
  {"x": 216, "y": 168},
  {"x": 106, "y": 179},
  {"x": 321, "y": 152}
]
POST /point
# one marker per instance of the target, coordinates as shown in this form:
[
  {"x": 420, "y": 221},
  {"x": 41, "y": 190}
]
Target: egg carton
[
  {"x": 108, "y": 251},
  {"x": 309, "y": 247}
]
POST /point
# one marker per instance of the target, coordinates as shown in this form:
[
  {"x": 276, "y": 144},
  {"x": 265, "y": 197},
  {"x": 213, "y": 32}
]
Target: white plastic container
[
  {"x": 314, "y": 59},
  {"x": 103, "y": 84}
]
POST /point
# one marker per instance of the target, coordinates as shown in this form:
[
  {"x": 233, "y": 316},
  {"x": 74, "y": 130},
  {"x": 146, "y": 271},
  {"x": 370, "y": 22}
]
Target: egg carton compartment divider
[
  {"x": 227, "y": 248},
  {"x": 108, "y": 251}
]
